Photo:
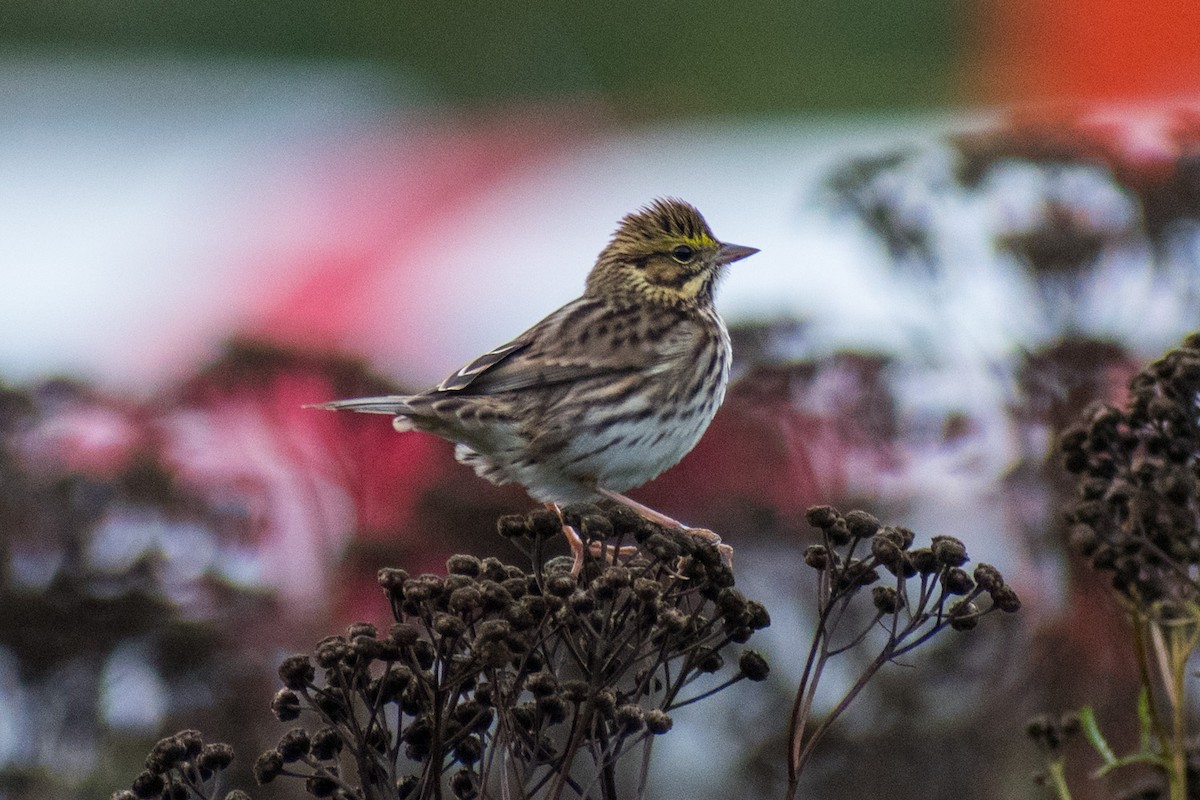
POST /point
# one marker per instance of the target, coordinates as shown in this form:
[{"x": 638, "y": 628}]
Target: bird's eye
[{"x": 683, "y": 254}]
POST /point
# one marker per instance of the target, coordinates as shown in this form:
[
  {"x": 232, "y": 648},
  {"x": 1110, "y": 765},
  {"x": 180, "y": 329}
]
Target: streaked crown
[{"x": 663, "y": 254}]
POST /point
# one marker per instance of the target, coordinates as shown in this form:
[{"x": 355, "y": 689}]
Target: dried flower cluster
[
  {"x": 493, "y": 676},
  {"x": 915, "y": 593},
  {"x": 928, "y": 587},
  {"x": 182, "y": 767},
  {"x": 1136, "y": 512}
]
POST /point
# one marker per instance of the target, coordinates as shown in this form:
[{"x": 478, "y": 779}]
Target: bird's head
[{"x": 663, "y": 254}]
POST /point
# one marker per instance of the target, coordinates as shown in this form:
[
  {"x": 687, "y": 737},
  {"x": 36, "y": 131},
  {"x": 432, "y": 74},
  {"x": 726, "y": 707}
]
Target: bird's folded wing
[
  {"x": 471, "y": 372},
  {"x": 541, "y": 357}
]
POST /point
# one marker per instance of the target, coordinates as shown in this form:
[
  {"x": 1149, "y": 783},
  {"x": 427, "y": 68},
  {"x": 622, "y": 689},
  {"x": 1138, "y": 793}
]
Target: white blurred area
[
  {"x": 144, "y": 203},
  {"x": 148, "y": 208}
]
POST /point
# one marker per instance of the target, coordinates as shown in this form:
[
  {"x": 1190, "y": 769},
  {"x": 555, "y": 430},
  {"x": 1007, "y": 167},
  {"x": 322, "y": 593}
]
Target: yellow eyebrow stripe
[{"x": 701, "y": 241}]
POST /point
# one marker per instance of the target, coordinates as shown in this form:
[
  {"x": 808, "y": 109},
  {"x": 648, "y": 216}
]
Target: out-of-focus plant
[{"x": 1135, "y": 516}]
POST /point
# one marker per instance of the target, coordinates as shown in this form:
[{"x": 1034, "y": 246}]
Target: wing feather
[
  {"x": 468, "y": 374},
  {"x": 554, "y": 352}
]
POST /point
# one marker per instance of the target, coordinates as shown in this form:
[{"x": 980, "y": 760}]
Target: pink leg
[
  {"x": 575, "y": 542},
  {"x": 667, "y": 522}
]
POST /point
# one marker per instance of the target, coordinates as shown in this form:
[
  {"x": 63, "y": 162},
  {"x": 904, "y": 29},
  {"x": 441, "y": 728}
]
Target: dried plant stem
[
  {"x": 802, "y": 707},
  {"x": 1180, "y": 638}
]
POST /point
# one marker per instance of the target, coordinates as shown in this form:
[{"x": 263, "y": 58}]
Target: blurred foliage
[{"x": 651, "y": 59}]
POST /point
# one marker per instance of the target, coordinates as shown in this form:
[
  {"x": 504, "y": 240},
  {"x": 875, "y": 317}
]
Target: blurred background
[{"x": 974, "y": 219}]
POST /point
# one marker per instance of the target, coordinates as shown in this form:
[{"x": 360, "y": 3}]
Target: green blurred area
[{"x": 655, "y": 59}]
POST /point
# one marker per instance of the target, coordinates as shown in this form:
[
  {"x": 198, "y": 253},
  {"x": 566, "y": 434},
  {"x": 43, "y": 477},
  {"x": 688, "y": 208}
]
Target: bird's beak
[{"x": 734, "y": 252}]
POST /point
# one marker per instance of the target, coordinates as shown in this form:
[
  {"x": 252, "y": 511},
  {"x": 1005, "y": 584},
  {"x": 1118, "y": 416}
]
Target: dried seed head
[
  {"x": 294, "y": 745},
  {"x": 839, "y": 534},
  {"x": 361, "y": 629},
  {"x": 817, "y": 556},
  {"x": 822, "y": 517},
  {"x": 647, "y": 589},
  {"x": 757, "y": 616},
  {"x": 662, "y": 547},
  {"x": 468, "y": 750},
  {"x": 629, "y": 718},
  {"x": 925, "y": 562},
  {"x": 405, "y": 634},
  {"x": 560, "y": 585},
  {"x": 672, "y": 620},
  {"x": 326, "y": 744},
  {"x": 165, "y": 754},
  {"x": 545, "y": 524},
  {"x": 285, "y": 705},
  {"x": 988, "y": 577},
  {"x": 605, "y": 701},
  {"x": 542, "y": 684},
  {"x": 392, "y": 581},
  {"x": 465, "y": 600},
  {"x": 268, "y": 767},
  {"x": 657, "y": 721},
  {"x": 330, "y": 651},
  {"x": 710, "y": 661},
  {"x": 466, "y": 565},
  {"x": 149, "y": 784},
  {"x": 495, "y": 597},
  {"x": 553, "y": 708},
  {"x": 861, "y": 524},
  {"x": 495, "y": 570},
  {"x": 575, "y": 690},
  {"x": 595, "y": 527},
  {"x": 514, "y": 526},
  {"x": 949, "y": 551},
  {"x": 581, "y": 602},
  {"x": 886, "y": 599},
  {"x": 964, "y": 615},
  {"x": 297, "y": 672},
  {"x": 753, "y": 666},
  {"x": 464, "y": 784},
  {"x": 887, "y": 551},
  {"x": 957, "y": 581},
  {"x": 1005, "y": 598},
  {"x": 216, "y": 756},
  {"x": 406, "y": 785}
]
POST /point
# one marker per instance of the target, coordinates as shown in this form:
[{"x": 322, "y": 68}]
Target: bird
[{"x": 607, "y": 392}]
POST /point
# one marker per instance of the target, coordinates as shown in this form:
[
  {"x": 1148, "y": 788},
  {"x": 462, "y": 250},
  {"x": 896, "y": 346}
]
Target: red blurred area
[
  {"x": 1088, "y": 50},
  {"x": 386, "y": 191}
]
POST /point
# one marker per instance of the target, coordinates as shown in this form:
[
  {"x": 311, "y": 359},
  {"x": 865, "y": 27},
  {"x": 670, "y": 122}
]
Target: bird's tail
[{"x": 394, "y": 404}]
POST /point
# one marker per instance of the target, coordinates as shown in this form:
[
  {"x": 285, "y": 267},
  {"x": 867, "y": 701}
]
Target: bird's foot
[
  {"x": 596, "y": 549},
  {"x": 658, "y": 517}
]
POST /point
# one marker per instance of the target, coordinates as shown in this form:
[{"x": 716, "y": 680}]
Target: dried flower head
[{"x": 181, "y": 766}]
